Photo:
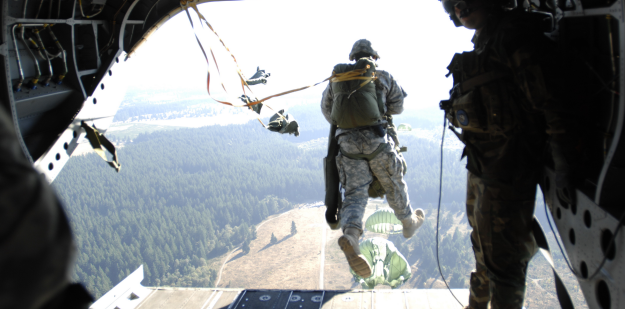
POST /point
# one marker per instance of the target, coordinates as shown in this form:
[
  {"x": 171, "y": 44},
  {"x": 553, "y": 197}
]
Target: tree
[
  {"x": 246, "y": 247},
  {"x": 293, "y": 228},
  {"x": 273, "y": 240}
]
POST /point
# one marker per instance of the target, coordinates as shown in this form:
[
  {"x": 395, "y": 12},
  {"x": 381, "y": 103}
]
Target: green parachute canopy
[
  {"x": 388, "y": 265},
  {"x": 404, "y": 127},
  {"x": 384, "y": 221}
]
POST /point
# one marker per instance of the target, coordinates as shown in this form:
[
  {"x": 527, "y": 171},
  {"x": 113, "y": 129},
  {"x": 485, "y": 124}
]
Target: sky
[{"x": 299, "y": 42}]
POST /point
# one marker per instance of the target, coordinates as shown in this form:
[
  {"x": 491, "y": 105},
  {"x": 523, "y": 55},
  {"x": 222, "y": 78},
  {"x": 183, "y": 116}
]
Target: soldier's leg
[
  {"x": 479, "y": 294},
  {"x": 503, "y": 216},
  {"x": 355, "y": 175},
  {"x": 389, "y": 170},
  {"x": 355, "y": 179}
]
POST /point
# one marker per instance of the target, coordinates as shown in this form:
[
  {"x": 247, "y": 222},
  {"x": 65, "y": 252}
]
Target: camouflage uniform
[
  {"x": 36, "y": 247},
  {"x": 355, "y": 175},
  {"x": 516, "y": 113}
]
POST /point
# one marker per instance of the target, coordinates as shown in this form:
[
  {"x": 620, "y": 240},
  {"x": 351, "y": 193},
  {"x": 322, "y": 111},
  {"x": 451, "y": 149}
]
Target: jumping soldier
[
  {"x": 366, "y": 151},
  {"x": 509, "y": 99}
]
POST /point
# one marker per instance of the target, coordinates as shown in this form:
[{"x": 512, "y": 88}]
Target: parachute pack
[{"x": 355, "y": 101}]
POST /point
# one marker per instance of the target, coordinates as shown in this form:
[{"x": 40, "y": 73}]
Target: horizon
[{"x": 400, "y": 30}]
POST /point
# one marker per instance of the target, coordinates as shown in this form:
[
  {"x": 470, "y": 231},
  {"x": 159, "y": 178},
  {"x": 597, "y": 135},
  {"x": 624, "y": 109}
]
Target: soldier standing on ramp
[
  {"x": 510, "y": 94},
  {"x": 366, "y": 151}
]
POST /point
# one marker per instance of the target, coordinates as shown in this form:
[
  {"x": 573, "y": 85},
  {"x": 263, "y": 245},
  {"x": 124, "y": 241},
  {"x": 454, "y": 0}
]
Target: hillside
[
  {"x": 186, "y": 198},
  {"x": 299, "y": 261}
]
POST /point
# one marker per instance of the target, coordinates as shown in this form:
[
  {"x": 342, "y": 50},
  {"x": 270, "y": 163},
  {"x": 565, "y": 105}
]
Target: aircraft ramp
[
  {"x": 206, "y": 298},
  {"x": 130, "y": 294}
]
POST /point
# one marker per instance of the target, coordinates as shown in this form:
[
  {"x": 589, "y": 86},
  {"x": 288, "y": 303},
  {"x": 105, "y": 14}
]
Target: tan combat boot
[
  {"x": 349, "y": 244},
  {"x": 412, "y": 223}
]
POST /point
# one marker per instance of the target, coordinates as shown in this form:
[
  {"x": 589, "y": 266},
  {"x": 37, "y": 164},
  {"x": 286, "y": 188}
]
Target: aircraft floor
[{"x": 206, "y": 298}]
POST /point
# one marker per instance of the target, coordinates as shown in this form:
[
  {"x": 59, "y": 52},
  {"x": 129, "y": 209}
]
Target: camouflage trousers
[
  {"x": 503, "y": 243},
  {"x": 356, "y": 176}
]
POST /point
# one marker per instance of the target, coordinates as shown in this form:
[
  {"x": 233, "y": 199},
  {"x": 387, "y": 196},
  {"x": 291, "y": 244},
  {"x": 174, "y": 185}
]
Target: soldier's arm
[
  {"x": 533, "y": 78},
  {"x": 548, "y": 84},
  {"x": 395, "y": 95},
  {"x": 326, "y": 103}
]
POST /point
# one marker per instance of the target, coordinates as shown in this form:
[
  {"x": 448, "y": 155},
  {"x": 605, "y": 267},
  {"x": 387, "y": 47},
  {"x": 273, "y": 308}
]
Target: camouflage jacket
[
  {"x": 514, "y": 113},
  {"x": 392, "y": 96}
]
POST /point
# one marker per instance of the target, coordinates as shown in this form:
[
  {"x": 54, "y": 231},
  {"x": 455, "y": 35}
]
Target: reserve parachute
[
  {"x": 388, "y": 265},
  {"x": 384, "y": 221}
]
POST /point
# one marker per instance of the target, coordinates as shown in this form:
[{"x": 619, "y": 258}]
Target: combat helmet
[
  {"x": 450, "y": 5},
  {"x": 362, "y": 46}
]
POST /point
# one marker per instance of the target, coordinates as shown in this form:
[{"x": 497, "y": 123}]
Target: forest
[
  {"x": 186, "y": 195},
  {"x": 455, "y": 252}
]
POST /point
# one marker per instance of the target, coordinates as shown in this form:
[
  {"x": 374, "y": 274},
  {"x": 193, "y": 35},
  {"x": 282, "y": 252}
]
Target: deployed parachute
[
  {"x": 404, "y": 127},
  {"x": 384, "y": 221},
  {"x": 388, "y": 265}
]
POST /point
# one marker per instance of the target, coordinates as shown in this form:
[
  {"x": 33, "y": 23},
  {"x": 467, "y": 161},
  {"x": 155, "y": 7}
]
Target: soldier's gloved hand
[{"x": 565, "y": 188}]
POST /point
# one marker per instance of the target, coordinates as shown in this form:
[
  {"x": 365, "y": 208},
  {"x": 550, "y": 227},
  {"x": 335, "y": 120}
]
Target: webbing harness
[{"x": 375, "y": 188}]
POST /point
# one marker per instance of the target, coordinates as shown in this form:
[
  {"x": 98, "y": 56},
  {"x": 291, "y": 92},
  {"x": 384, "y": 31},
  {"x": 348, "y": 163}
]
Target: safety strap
[
  {"x": 367, "y": 157},
  {"x": 481, "y": 80},
  {"x": 185, "y": 5},
  {"x": 541, "y": 240},
  {"x": 97, "y": 141}
]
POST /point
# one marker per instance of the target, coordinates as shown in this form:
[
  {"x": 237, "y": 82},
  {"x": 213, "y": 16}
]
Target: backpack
[{"x": 355, "y": 104}]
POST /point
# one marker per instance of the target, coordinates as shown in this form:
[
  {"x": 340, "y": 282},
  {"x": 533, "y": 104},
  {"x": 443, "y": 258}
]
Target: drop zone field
[{"x": 310, "y": 259}]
